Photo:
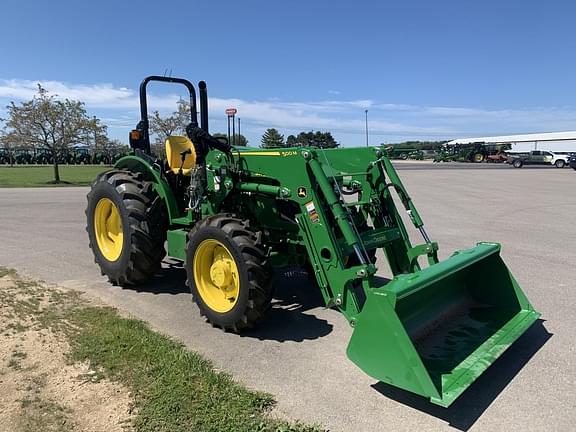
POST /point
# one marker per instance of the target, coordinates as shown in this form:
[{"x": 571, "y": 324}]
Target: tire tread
[{"x": 146, "y": 227}]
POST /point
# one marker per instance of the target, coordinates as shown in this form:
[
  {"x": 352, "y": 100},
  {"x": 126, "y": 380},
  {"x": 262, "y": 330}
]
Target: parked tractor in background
[
  {"x": 23, "y": 156},
  {"x": 6, "y": 157},
  {"x": 473, "y": 152},
  {"x": 77, "y": 155},
  {"x": 394, "y": 152},
  {"x": 233, "y": 214}
]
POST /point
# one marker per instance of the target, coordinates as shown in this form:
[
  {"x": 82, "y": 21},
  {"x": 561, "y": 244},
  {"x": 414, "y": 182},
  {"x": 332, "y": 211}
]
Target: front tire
[
  {"x": 559, "y": 163},
  {"x": 228, "y": 273},
  {"x": 126, "y": 225}
]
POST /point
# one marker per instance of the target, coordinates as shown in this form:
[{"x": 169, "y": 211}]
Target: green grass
[
  {"x": 174, "y": 390},
  {"x": 37, "y": 176}
]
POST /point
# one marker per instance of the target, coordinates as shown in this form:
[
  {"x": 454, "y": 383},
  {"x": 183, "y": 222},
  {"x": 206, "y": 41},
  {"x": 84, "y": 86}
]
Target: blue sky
[{"x": 423, "y": 69}]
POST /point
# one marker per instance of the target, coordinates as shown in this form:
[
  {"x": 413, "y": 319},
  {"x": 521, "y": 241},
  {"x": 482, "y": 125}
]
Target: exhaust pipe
[{"x": 203, "y": 105}]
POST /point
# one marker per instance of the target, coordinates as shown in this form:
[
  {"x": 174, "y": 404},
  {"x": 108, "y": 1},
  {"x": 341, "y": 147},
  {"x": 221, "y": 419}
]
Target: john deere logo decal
[{"x": 302, "y": 192}]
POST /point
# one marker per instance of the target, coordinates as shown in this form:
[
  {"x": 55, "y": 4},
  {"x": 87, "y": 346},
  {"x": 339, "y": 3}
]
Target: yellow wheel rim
[
  {"x": 216, "y": 276},
  {"x": 108, "y": 229}
]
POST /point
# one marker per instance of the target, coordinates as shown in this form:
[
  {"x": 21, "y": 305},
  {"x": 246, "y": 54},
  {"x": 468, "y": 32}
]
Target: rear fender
[{"x": 137, "y": 164}]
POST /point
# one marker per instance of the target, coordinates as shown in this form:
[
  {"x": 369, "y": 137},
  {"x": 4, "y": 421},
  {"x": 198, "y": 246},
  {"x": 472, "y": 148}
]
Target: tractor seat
[{"x": 175, "y": 145}]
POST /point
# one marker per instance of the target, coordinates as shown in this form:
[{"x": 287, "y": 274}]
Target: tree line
[
  {"x": 52, "y": 130},
  {"x": 273, "y": 139},
  {"x": 161, "y": 127}
]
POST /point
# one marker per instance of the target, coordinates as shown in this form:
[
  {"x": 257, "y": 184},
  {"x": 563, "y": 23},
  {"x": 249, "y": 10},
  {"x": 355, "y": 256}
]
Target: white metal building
[{"x": 554, "y": 141}]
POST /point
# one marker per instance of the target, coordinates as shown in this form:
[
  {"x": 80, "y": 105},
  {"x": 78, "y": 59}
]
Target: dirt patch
[{"x": 40, "y": 389}]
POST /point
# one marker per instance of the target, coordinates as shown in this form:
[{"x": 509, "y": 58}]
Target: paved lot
[{"x": 298, "y": 355}]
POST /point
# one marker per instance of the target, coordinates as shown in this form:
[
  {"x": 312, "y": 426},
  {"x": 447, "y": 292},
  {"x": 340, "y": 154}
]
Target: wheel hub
[
  {"x": 216, "y": 275},
  {"x": 220, "y": 272}
]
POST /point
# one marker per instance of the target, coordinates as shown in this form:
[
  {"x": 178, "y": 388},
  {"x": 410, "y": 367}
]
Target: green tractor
[
  {"x": 81, "y": 155},
  {"x": 403, "y": 153},
  {"x": 5, "y": 157},
  {"x": 233, "y": 214},
  {"x": 44, "y": 157},
  {"x": 100, "y": 158},
  {"x": 23, "y": 156}
]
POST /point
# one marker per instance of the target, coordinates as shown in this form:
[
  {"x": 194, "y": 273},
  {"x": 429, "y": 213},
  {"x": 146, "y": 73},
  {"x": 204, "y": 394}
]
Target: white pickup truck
[{"x": 537, "y": 157}]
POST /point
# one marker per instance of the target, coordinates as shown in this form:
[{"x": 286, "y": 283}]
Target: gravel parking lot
[{"x": 299, "y": 353}]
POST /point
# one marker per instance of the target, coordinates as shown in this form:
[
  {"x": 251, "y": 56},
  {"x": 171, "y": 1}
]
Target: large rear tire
[
  {"x": 126, "y": 224},
  {"x": 478, "y": 157},
  {"x": 228, "y": 273},
  {"x": 517, "y": 164}
]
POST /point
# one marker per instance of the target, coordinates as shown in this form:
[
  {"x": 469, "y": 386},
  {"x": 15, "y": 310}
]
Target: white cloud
[
  {"x": 99, "y": 95},
  {"x": 118, "y": 107}
]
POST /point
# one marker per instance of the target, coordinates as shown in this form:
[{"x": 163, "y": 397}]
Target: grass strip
[
  {"x": 173, "y": 389},
  {"x": 42, "y": 176}
]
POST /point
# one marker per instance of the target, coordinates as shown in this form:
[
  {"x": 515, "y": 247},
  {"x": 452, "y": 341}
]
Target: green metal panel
[{"x": 177, "y": 240}]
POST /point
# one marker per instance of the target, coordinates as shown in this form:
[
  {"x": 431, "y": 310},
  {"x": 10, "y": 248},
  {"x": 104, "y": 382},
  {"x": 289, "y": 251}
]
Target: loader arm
[{"x": 429, "y": 330}]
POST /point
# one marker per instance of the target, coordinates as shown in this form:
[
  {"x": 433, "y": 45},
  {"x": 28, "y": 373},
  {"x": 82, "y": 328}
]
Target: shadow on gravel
[
  {"x": 170, "y": 280},
  {"x": 286, "y": 321},
  {"x": 467, "y": 409},
  {"x": 294, "y": 294}
]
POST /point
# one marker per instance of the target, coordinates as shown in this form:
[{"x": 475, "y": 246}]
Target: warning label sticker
[{"x": 312, "y": 213}]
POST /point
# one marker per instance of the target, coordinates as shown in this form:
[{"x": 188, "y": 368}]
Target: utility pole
[
  {"x": 238, "y": 130},
  {"x": 229, "y": 129},
  {"x": 233, "y": 131},
  {"x": 366, "y": 112},
  {"x": 230, "y": 113}
]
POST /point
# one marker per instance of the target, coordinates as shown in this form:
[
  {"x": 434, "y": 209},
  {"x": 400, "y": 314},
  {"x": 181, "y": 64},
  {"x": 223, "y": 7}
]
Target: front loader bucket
[{"x": 435, "y": 331}]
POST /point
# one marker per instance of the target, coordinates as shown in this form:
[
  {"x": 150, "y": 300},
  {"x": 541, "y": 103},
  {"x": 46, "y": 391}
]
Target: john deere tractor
[{"x": 233, "y": 214}]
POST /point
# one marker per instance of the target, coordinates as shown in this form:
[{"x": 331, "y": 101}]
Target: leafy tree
[
  {"x": 159, "y": 149},
  {"x": 48, "y": 124},
  {"x": 174, "y": 124},
  {"x": 240, "y": 139},
  {"x": 117, "y": 149},
  {"x": 272, "y": 139},
  {"x": 291, "y": 141},
  {"x": 97, "y": 134},
  {"x": 109, "y": 150},
  {"x": 8, "y": 145},
  {"x": 317, "y": 139}
]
